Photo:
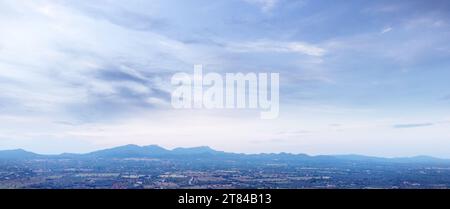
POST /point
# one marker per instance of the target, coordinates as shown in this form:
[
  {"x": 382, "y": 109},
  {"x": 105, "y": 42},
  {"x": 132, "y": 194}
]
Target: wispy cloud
[
  {"x": 386, "y": 30},
  {"x": 277, "y": 47},
  {"x": 76, "y": 59},
  {"x": 412, "y": 125}
]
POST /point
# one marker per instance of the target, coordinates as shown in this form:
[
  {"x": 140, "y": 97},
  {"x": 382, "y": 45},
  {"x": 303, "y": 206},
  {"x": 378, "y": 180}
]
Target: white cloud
[
  {"x": 386, "y": 30},
  {"x": 277, "y": 47}
]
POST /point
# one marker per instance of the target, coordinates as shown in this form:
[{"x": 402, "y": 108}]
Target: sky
[{"x": 356, "y": 77}]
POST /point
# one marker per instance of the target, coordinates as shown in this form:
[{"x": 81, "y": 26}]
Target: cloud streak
[
  {"x": 413, "y": 125},
  {"x": 265, "y": 46}
]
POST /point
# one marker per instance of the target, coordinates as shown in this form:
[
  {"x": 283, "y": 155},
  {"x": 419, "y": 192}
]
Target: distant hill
[
  {"x": 195, "y": 150},
  {"x": 206, "y": 153},
  {"x": 130, "y": 151},
  {"x": 18, "y": 154}
]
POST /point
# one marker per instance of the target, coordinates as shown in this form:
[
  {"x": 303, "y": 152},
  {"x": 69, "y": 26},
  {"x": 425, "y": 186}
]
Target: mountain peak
[
  {"x": 194, "y": 150},
  {"x": 129, "y": 146},
  {"x": 154, "y": 147},
  {"x": 17, "y": 153},
  {"x": 130, "y": 150}
]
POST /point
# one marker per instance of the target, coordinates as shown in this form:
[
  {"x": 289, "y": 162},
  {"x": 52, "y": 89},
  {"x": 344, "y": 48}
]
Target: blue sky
[{"x": 363, "y": 77}]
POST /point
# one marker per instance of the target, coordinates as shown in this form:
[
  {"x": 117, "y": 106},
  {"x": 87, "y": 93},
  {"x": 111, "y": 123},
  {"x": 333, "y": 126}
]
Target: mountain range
[
  {"x": 126, "y": 151},
  {"x": 204, "y": 152}
]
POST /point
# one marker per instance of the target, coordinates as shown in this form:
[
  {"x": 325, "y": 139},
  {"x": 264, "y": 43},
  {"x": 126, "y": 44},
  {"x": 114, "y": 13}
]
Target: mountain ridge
[{"x": 155, "y": 151}]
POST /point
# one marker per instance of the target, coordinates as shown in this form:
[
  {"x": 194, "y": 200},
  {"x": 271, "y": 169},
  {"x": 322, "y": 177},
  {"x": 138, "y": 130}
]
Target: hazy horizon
[
  {"x": 356, "y": 77},
  {"x": 246, "y": 153}
]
